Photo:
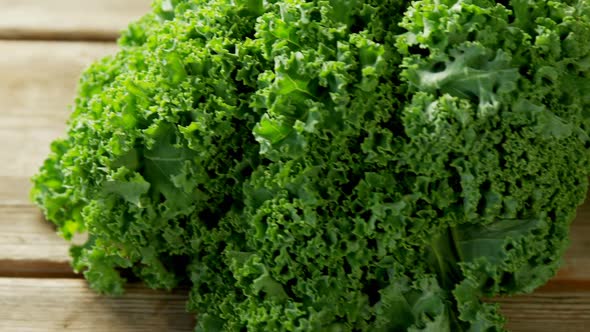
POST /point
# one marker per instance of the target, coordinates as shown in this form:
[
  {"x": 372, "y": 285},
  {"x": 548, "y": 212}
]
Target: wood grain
[
  {"x": 29, "y": 246},
  {"x": 38, "y": 83},
  {"x": 14, "y": 190},
  {"x": 576, "y": 268},
  {"x": 548, "y": 311},
  {"x": 55, "y": 305},
  {"x": 39, "y": 80},
  {"x": 68, "y": 19}
]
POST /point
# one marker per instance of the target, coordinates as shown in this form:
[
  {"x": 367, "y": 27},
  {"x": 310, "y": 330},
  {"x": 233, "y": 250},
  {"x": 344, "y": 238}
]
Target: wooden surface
[
  {"x": 551, "y": 311},
  {"x": 42, "y": 305},
  {"x": 67, "y": 19},
  {"x": 38, "y": 291}
]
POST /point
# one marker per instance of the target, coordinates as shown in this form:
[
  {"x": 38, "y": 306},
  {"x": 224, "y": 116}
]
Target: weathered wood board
[
  {"x": 68, "y": 19},
  {"x": 48, "y": 305}
]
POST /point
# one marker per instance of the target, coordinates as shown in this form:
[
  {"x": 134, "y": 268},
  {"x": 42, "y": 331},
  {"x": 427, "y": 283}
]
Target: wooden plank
[
  {"x": 55, "y": 305},
  {"x": 14, "y": 190},
  {"x": 548, "y": 311},
  {"x": 39, "y": 80},
  {"x": 38, "y": 83},
  {"x": 576, "y": 266},
  {"x": 29, "y": 246},
  {"x": 68, "y": 19}
]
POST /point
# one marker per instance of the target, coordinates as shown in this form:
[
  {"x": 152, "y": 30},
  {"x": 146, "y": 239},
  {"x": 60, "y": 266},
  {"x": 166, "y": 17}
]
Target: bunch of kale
[{"x": 330, "y": 165}]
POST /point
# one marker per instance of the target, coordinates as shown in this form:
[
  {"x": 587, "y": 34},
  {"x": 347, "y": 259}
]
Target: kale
[{"x": 330, "y": 165}]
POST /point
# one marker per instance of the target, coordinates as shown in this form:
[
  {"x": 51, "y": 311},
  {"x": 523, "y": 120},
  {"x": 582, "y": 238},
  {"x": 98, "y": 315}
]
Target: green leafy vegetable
[{"x": 330, "y": 165}]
